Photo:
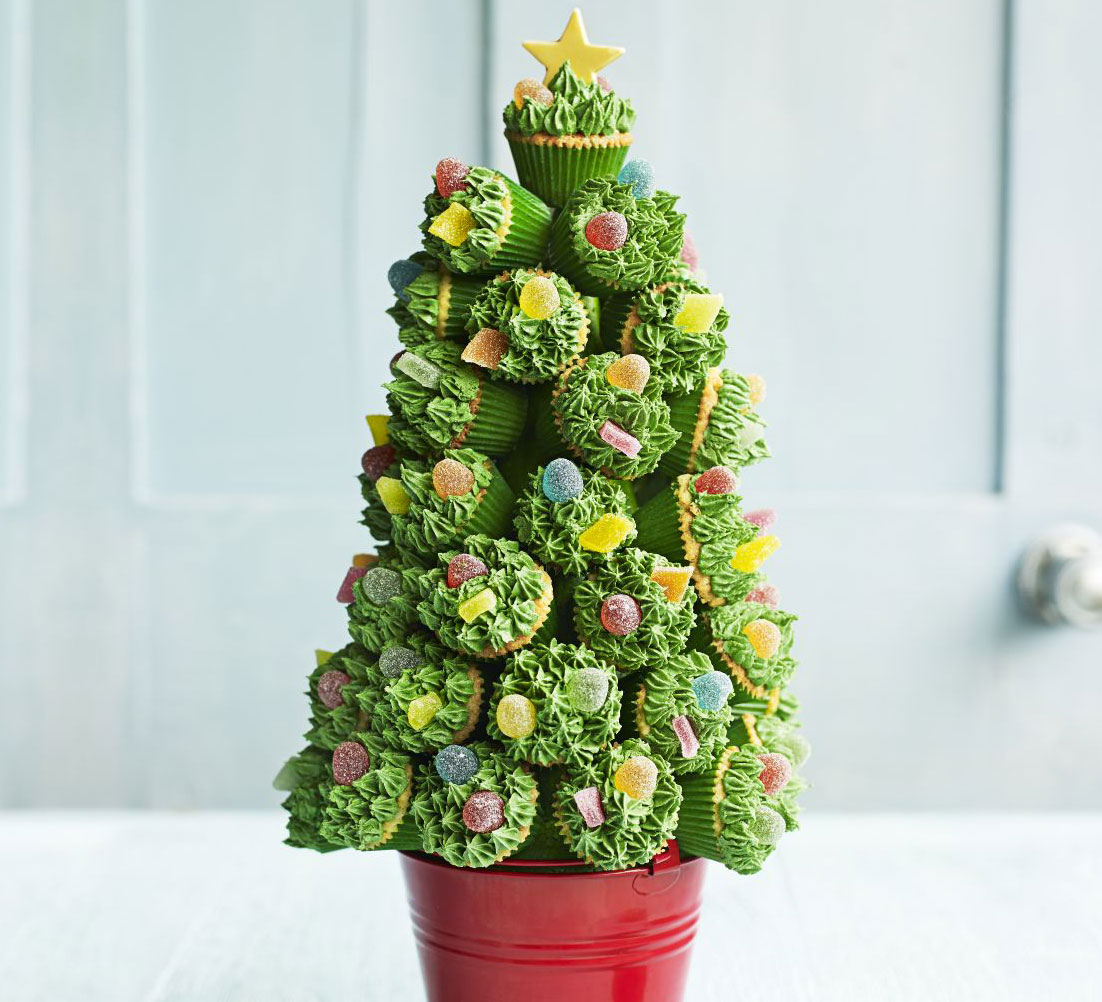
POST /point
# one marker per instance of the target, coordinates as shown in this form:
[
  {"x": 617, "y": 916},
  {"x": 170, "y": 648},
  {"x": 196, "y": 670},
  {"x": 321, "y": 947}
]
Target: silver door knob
[{"x": 1060, "y": 577}]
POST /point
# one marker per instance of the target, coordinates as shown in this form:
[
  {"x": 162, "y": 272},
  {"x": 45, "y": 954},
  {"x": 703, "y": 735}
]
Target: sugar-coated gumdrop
[
  {"x": 561, "y": 481},
  {"x": 400, "y": 274},
  {"x": 484, "y": 812},
  {"x": 750, "y": 434},
  {"x": 451, "y": 479},
  {"x": 640, "y": 175},
  {"x": 476, "y": 605},
  {"x": 380, "y": 585},
  {"x": 767, "y": 826},
  {"x": 765, "y": 594},
  {"x": 394, "y": 496},
  {"x": 364, "y": 560},
  {"x": 379, "y": 426},
  {"x": 795, "y": 747},
  {"x": 686, "y": 736},
  {"x": 607, "y": 231},
  {"x": 698, "y": 312},
  {"x": 675, "y": 581},
  {"x": 763, "y": 518},
  {"x": 397, "y": 659},
  {"x": 377, "y": 460},
  {"x": 350, "y": 762},
  {"x": 329, "y": 688},
  {"x": 539, "y": 298},
  {"x": 608, "y": 532},
  {"x": 711, "y": 690},
  {"x": 533, "y": 90},
  {"x": 622, "y": 441},
  {"x": 757, "y": 388},
  {"x": 637, "y": 777},
  {"x": 487, "y": 348},
  {"x": 604, "y": 85},
  {"x": 462, "y": 567},
  {"x": 394, "y": 358},
  {"x": 456, "y": 764},
  {"x": 345, "y": 594},
  {"x": 453, "y": 225},
  {"x": 321, "y": 657},
  {"x": 689, "y": 254},
  {"x": 587, "y": 689},
  {"x": 717, "y": 480},
  {"x": 419, "y": 369},
  {"x": 422, "y": 710},
  {"x": 632, "y": 372},
  {"x": 516, "y": 715},
  {"x": 620, "y": 615},
  {"x": 750, "y": 556},
  {"x": 588, "y": 802},
  {"x": 764, "y": 637},
  {"x": 450, "y": 173},
  {"x": 775, "y": 773}
]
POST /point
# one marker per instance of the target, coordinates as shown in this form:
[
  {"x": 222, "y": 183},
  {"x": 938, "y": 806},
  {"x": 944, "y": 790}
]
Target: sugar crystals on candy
[
  {"x": 587, "y": 689},
  {"x": 640, "y": 175},
  {"x": 750, "y": 556},
  {"x": 757, "y": 388},
  {"x": 539, "y": 298},
  {"x": 767, "y": 826},
  {"x": 463, "y": 567},
  {"x": 775, "y": 773},
  {"x": 608, "y": 532},
  {"x": 345, "y": 594},
  {"x": 516, "y": 715},
  {"x": 394, "y": 496},
  {"x": 400, "y": 274},
  {"x": 765, "y": 594},
  {"x": 717, "y": 480},
  {"x": 698, "y": 312},
  {"x": 637, "y": 777},
  {"x": 476, "y": 605},
  {"x": 329, "y": 688},
  {"x": 675, "y": 581},
  {"x": 450, "y": 478},
  {"x": 396, "y": 659},
  {"x": 603, "y": 83},
  {"x": 484, "y": 812},
  {"x": 456, "y": 764},
  {"x": 561, "y": 481},
  {"x": 632, "y": 372},
  {"x": 419, "y": 369},
  {"x": 380, "y": 584},
  {"x": 764, "y": 637},
  {"x": 622, "y": 441},
  {"x": 377, "y": 460},
  {"x": 350, "y": 762},
  {"x": 689, "y": 254},
  {"x": 533, "y": 90},
  {"x": 453, "y": 225},
  {"x": 763, "y": 518},
  {"x": 486, "y": 349},
  {"x": 607, "y": 231},
  {"x": 422, "y": 710},
  {"x": 750, "y": 433},
  {"x": 588, "y": 802},
  {"x": 450, "y": 174},
  {"x": 711, "y": 690},
  {"x": 683, "y": 728},
  {"x": 620, "y": 615}
]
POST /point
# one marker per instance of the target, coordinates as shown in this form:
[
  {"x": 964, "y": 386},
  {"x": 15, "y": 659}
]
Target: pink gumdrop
[
  {"x": 484, "y": 812},
  {"x": 622, "y": 441},
  {"x": 621, "y": 615},
  {"x": 775, "y": 773},
  {"x": 588, "y": 802},
  {"x": 377, "y": 460},
  {"x": 463, "y": 567},
  {"x": 450, "y": 173},
  {"x": 717, "y": 480},
  {"x": 350, "y": 762},
  {"x": 604, "y": 85},
  {"x": 345, "y": 595},
  {"x": 607, "y": 231},
  {"x": 765, "y": 594},
  {"x": 686, "y": 736},
  {"x": 689, "y": 254},
  {"x": 329, "y": 688},
  {"x": 763, "y": 518}
]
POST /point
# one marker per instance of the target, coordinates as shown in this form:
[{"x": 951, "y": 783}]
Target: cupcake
[
  {"x": 477, "y": 221},
  {"x": 554, "y": 704},
  {"x": 307, "y": 780},
  {"x": 384, "y": 608},
  {"x": 379, "y": 461},
  {"x": 752, "y": 641},
  {"x": 526, "y": 326},
  {"x": 620, "y": 809},
  {"x": 431, "y": 706},
  {"x": 610, "y": 414},
  {"x": 682, "y": 713},
  {"x": 439, "y": 402},
  {"x": 605, "y": 239},
  {"x": 333, "y": 686},
  {"x": 717, "y": 426},
  {"x": 487, "y": 599},
  {"x": 566, "y": 132},
  {"x": 473, "y": 806},
  {"x": 634, "y": 611},
  {"x": 571, "y": 519},
  {"x": 431, "y": 303}
]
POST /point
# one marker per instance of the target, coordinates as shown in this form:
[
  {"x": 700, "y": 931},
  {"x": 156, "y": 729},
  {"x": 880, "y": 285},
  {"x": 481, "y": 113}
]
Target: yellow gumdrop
[
  {"x": 757, "y": 388},
  {"x": 322, "y": 657},
  {"x": 698, "y": 312},
  {"x": 476, "y": 605},
  {"x": 451, "y": 479},
  {"x": 674, "y": 579},
  {"x": 632, "y": 372},
  {"x": 394, "y": 496},
  {"x": 533, "y": 89},
  {"x": 516, "y": 716},
  {"x": 539, "y": 298},
  {"x": 750, "y": 556},
  {"x": 608, "y": 532},
  {"x": 364, "y": 559},
  {"x": 453, "y": 225},
  {"x": 486, "y": 348},
  {"x": 379, "y": 426},
  {"x": 422, "y": 710},
  {"x": 637, "y": 777},
  {"x": 764, "y": 637}
]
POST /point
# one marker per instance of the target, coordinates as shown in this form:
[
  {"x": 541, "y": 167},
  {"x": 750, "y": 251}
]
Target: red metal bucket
[{"x": 516, "y": 934}]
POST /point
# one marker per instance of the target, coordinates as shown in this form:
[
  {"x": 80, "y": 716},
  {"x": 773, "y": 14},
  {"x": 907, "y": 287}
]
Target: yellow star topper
[{"x": 585, "y": 59}]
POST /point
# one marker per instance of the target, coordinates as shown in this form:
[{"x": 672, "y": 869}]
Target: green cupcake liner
[
  {"x": 494, "y": 513},
  {"x": 517, "y": 468},
  {"x": 553, "y": 172},
  {"x": 407, "y": 837},
  {"x": 545, "y": 432},
  {"x": 658, "y": 523},
  {"x": 529, "y": 228},
  {"x": 684, "y": 410},
  {"x": 593, "y": 309},
  {"x": 462, "y": 294},
  {"x": 502, "y": 412},
  {"x": 696, "y": 822},
  {"x": 617, "y": 309}
]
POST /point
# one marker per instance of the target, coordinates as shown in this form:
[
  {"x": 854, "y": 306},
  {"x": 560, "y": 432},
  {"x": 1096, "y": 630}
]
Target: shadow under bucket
[{"x": 518, "y": 933}]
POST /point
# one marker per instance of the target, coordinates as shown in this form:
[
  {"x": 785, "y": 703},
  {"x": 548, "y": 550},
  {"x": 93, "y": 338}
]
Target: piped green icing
[
  {"x": 487, "y": 198},
  {"x": 329, "y": 727},
  {"x": 717, "y": 526},
  {"x": 374, "y": 625},
  {"x": 738, "y": 847},
  {"x": 456, "y": 684},
  {"x": 578, "y": 107},
  {"x": 723, "y": 443},
  {"x": 727, "y": 623},
  {"x": 357, "y": 815},
  {"x": 309, "y": 778},
  {"x": 374, "y": 514}
]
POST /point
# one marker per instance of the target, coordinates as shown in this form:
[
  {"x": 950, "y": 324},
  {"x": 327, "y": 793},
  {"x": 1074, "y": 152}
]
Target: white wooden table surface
[{"x": 160, "y": 906}]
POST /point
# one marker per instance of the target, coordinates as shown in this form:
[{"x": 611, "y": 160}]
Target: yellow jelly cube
[
  {"x": 394, "y": 496},
  {"x": 364, "y": 559},
  {"x": 750, "y": 556},
  {"x": 516, "y": 716},
  {"x": 379, "y": 426},
  {"x": 698, "y": 312},
  {"x": 637, "y": 777},
  {"x": 476, "y": 605},
  {"x": 422, "y": 710},
  {"x": 764, "y": 637},
  {"x": 632, "y": 372},
  {"x": 322, "y": 657},
  {"x": 674, "y": 579},
  {"x": 608, "y": 532},
  {"x": 453, "y": 225}
]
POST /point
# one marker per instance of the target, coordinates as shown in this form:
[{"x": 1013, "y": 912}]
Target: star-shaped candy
[{"x": 574, "y": 45}]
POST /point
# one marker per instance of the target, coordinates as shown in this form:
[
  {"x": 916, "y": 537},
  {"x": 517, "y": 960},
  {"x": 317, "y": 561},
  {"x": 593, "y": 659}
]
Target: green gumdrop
[{"x": 587, "y": 689}]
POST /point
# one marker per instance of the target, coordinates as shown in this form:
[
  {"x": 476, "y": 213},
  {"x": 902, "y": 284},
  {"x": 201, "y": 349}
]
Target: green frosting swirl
[
  {"x": 329, "y": 727},
  {"x": 310, "y": 778},
  {"x": 727, "y": 623},
  {"x": 487, "y": 198},
  {"x": 457, "y": 685},
  {"x": 362, "y": 814},
  {"x": 578, "y": 107},
  {"x": 633, "y": 830},
  {"x": 743, "y": 794},
  {"x": 563, "y": 733},
  {"x": 724, "y": 442},
  {"x": 375, "y": 626},
  {"x": 718, "y": 527}
]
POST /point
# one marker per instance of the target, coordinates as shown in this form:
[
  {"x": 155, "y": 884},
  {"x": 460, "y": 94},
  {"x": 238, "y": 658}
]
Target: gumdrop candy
[
  {"x": 487, "y": 348},
  {"x": 632, "y": 372},
  {"x": 764, "y": 637},
  {"x": 698, "y": 312},
  {"x": 587, "y": 689},
  {"x": 620, "y": 615},
  {"x": 377, "y": 460},
  {"x": 400, "y": 274},
  {"x": 765, "y": 594},
  {"x": 456, "y": 764},
  {"x": 449, "y": 174},
  {"x": 763, "y": 518},
  {"x": 397, "y": 659},
  {"x": 350, "y": 762},
  {"x": 394, "y": 496},
  {"x": 539, "y": 298},
  {"x": 750, "y": 556},
  {"x": 463, "y": 567},
  {"x": 533, "y": 90},
  {"x": 379, "y": 426},
  {"x": 775, "y": 773},
  {"x": 711, "y": 690},
  {"x": 453, "y": 225},
  {"x": 637, "y": 777},
  {"x": 419, "y": 369},
  {"x": 750, "y": 433},
  {"x": 608, "y": 532},
  {"x": 689, "y": 254},
  {"x": 364, "y": 560},
  {"x": 675, "y": 581},
  {"x": 380, "y": 584},
  {"x": 476, "y": 605},
  {"x": 757, "y": 388},
  {"x": 795, "y": 746},
  {"x": 321, "y": 657},
  {"x": 622, "y": 441},
  {"x": 422, "y": 710},
  {"x": 603, "y": 83},
  {"x": 686, "y": 736},
  {"x": 607, "y": 231},
  {"x": 717, "y": 480},
  {"x": 640, "y": 175},
  {"x": 516, "y": 715},
  {"x": 329, "y": 688},
  {"x": 767, "y": 826},
  {"x": 588, "y": 802},
  {"x": 345, "y": 594},
  {"x": 561, "y": 481},
  {"x": 451, "y": 479},
  {"x": 484, "y": 812}
]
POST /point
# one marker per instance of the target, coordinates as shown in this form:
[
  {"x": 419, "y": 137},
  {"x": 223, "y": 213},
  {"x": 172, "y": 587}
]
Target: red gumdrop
[
  {"x": 345, "y": 594},
  {"x": 484, "y": 812},
  {"x": 377, "y": 460},
  {"x": 689, "y": 254},
  {"x": 607, "y": 231},
  {"x": 717, "y": 480},
  {"x": 620, "y": 615},
  {"x": 775, "y": 773},
  {"x": 350, "y": 762},
  {"x": 329, "y": 688},
  {"x": 765, "y": 594},
  {"x": 449, "y": 176},
  {"x": 462, "y": 567}
]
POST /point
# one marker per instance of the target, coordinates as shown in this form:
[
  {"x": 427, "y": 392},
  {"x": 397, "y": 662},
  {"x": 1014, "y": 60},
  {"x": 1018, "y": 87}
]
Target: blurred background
[{"x": 198, "y": 202}]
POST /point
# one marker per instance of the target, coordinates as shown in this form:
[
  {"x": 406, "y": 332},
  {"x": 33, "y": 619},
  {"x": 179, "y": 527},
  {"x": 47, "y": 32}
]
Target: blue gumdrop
[
  {"x": 562, "y": 481},
  {"x": 640, "y": 175},
  {"x": 712, "y": 689},
  {"x": 400, "y": 274},
  {"x": 456, "y": 764}
]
